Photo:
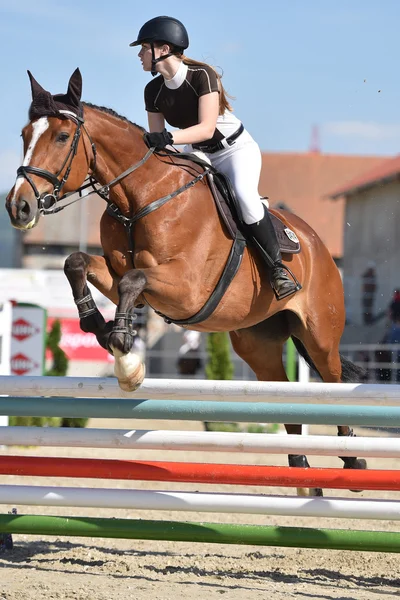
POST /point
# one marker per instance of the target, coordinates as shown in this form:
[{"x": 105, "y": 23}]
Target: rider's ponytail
[{"x": 223, "y": 95}]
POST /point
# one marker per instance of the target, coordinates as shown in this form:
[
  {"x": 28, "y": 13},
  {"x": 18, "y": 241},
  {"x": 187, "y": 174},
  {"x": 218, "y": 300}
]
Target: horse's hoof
[
  {"x": 129, "y": 370},
  {"x": 357, "y": 463},
  {"x": 135, "y": 380},
  {"x": 309, "y": 492}
]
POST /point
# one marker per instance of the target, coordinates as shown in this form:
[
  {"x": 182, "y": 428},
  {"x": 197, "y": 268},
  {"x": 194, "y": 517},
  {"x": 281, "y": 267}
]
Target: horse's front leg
[
  {"x": 128, "y": 367},
  {"x": 80, "y": 268}
]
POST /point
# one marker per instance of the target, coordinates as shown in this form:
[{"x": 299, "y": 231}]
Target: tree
[
  {"x": 219, "y": 366},
  {"x": 60, "y": 360},
  {"x": 59, "y": 368}
]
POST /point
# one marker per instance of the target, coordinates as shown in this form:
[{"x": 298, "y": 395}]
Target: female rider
[{"x": 189, "y": 95}]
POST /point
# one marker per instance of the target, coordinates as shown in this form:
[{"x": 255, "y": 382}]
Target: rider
[{"x": 189, "y": 95}]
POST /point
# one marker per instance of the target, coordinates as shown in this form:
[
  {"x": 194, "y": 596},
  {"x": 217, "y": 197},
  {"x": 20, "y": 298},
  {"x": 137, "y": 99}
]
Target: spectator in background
[
  {"x": 394, "y": 307},
  {"x": 189, "y": 361},
  {"x": 139, "y": 343},
  {"x": 392, "y": 336},
  {"x": 368, "y": 293}
]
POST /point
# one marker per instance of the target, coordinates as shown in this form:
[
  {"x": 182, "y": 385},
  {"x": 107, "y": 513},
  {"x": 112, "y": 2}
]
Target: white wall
[{"x": 372, "y": 233}]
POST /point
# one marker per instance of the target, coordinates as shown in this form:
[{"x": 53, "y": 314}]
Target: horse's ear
[
  {"x": 74, "y": 92},
  {"x": 35, "y": 86}
]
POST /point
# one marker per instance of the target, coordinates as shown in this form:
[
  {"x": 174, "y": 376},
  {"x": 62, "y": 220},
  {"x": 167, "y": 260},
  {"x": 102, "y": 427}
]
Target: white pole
[
  {"x": 5, "y": 346},
  {"x": 304, "y": 377},
  {"x": 207, "y": 441},
  {"x": 354, "y": 394},
  {"x": 199, "y": 502}
]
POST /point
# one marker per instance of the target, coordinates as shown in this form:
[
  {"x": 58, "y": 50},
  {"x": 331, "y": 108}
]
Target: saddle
[{"x": 229, "y": 209}]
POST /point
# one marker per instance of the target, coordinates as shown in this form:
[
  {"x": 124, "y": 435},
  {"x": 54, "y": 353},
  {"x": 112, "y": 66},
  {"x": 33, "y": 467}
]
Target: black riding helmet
[{"x": 163, "y": 29}]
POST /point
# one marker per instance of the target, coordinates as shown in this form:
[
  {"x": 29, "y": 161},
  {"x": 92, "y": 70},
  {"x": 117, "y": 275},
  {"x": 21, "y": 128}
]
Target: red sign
[
  {"x": 21, "y": 364},
  {"x": 22, "y": 329},
  {"x": 77, "y": 344}
]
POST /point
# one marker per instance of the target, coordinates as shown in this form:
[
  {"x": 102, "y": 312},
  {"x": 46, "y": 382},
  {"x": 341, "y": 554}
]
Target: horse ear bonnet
[{"x": 45, "y": 104}]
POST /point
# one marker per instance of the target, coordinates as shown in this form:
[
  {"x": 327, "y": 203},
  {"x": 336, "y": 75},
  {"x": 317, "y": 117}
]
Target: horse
[{"x": 165, "y": 244}]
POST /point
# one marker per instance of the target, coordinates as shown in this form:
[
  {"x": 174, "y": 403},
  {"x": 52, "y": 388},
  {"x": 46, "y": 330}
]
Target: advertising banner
[
  {"x": 79, "y": 345},
  {"x": 28, "y": 338}
]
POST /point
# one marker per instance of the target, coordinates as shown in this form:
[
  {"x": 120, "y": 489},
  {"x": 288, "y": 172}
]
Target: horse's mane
[{"x": 113, "y": 113}]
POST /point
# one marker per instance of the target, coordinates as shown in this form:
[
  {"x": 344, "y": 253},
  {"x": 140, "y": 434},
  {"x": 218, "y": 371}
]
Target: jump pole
[
  {"x": 209, "y": 473},
  {"x": 176, "y": 389},
  {"x": 202, "y": 410},
  {"x": 201, "y": 441},
  {"x": 212, "y": 533}
]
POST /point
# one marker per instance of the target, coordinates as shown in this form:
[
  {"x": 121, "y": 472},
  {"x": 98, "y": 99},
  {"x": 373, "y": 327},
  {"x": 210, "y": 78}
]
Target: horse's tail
[{"x": 351, "y": 373}]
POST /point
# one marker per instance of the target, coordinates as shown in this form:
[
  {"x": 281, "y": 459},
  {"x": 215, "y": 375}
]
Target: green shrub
[
  {"x": 60, "y": 368},
  {"x": 219, "y": 366},
  {"x": 35, "y": 421}
]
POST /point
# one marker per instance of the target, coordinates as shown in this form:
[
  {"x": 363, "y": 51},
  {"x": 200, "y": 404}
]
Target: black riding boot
[{"x": 264, "y": 234}]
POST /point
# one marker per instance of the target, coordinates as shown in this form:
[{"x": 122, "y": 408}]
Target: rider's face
[{"x": 146, "y": 56}]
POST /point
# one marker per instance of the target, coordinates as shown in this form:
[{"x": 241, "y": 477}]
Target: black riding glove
[{"x": 158, "y": 139}]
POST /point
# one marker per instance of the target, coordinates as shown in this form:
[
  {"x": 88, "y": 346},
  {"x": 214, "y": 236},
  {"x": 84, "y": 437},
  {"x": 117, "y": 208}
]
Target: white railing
[{"x": 381, "y": 361}]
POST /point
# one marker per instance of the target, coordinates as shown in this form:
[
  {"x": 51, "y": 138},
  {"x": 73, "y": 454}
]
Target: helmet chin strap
[{"x": 155, "y": 60}]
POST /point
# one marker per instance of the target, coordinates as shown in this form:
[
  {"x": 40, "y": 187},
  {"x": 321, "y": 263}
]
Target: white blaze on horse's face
[{"x": 39, "y": 127}]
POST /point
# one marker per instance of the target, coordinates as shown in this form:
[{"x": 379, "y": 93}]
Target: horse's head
[{"x": 54, "y": 158}]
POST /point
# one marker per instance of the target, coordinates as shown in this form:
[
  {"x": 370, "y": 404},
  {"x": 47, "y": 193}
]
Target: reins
[{"x": 49, "y": 204}]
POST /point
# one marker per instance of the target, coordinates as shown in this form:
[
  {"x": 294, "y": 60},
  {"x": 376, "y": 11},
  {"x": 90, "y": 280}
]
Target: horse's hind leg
[
  {"x": 80, "y": 268},
  {"x": 324, "y": 354},
  {"x": 261, "y": 348}
]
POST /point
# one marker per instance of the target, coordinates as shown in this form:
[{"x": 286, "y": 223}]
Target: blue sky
[{"x": 290, "y": 64}]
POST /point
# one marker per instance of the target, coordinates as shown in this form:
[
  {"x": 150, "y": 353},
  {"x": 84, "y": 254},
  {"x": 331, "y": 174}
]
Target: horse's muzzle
[{"x": 22, "y": 215}]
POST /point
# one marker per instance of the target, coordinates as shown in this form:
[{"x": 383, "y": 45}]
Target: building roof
[
  {"x": 302, "y": 183},
  {"x": 299, "y": 181},
  {"x": 387, "y": 170}
]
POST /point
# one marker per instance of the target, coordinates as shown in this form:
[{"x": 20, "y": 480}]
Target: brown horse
[{"x": 179, "y": 250}]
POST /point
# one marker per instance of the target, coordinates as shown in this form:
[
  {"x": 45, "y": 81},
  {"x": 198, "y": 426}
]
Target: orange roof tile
[{"x": 386, "y": 170}]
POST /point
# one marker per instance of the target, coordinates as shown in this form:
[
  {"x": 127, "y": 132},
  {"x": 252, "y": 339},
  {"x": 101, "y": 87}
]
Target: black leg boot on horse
[{"x": 264, "y": 235}]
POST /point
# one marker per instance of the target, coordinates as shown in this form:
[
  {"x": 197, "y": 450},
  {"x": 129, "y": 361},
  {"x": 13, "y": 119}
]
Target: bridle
[{"x": 48, "y": 203}]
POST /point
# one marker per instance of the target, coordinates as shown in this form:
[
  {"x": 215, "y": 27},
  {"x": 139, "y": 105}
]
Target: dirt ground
[{"x": 103, "y": 569}]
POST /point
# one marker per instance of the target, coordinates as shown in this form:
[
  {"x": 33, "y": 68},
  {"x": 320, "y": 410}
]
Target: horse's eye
[{"x": 62, "y": 137}]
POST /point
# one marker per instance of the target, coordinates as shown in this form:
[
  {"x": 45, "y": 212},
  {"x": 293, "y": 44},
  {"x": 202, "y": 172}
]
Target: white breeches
[{"x": 241, "y": 162}]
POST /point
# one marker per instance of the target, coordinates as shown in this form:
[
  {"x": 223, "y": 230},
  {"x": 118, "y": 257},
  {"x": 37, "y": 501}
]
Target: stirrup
[{"x": 295, "y": 283}]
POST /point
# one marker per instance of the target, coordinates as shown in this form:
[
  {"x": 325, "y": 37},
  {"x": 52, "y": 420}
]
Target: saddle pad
[{"x": 288, "y": 241}]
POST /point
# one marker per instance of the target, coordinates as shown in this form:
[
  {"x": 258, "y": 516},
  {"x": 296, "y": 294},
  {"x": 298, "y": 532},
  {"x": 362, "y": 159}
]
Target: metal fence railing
[{"x": 380, "y": 361}]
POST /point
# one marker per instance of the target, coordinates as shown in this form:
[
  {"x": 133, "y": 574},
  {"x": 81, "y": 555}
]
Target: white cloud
[
  {"x": 363, "y": 130},
  {"x": 9, "y": 163}
]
